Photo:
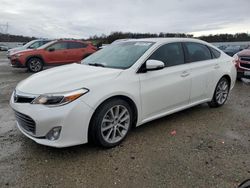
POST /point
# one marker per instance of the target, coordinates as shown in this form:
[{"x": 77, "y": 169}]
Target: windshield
[
  {"x": 46, "y": 45},
  {"x": 119, "y": 55},
  {"x": 29, "y": 43}
]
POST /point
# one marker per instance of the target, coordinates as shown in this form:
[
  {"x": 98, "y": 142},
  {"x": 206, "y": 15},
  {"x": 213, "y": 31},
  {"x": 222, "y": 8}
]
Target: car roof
[
  {"x": 41, "y": 40},
  {"x": 164, "y": 40},
  {"x": 245, "y": 52},
  {"x": 68, "y": 40}
]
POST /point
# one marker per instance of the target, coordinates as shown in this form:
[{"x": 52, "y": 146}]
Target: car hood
[
  {"x": 245, "y": 52},
  {"x": 66, "y": 78}
]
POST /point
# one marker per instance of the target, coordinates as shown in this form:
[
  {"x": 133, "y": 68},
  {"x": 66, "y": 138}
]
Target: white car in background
[
  {"x": 30, "y": 45},
  {"x": 4, "y": 47},
  {"x": 126, "y": 84}
]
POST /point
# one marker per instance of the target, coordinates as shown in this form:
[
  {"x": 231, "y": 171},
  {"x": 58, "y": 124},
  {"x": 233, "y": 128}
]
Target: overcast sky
[{"x": 84, "y": 18}]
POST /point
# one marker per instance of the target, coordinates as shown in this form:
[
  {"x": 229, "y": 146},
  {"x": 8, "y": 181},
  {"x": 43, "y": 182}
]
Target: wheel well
[
  {"x": 125, "y": 98},
  {"x": 228, "y": 78},
  {"x": 38, "y": 57}
]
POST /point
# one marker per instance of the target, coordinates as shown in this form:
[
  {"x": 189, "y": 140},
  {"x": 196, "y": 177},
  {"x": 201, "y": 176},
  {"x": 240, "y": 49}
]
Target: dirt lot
[{"x": 211, "y": 148}]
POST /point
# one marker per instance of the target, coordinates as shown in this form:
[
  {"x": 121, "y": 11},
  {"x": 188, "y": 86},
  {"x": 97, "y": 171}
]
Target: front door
[
  {"x": 57, "y": 53},
  {"x": 168, "y": 89}
]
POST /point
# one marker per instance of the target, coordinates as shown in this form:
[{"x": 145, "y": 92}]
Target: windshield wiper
[{"x": 96, "y": 64}]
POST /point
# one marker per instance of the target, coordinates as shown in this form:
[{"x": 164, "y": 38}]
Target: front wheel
[
  {"x": 221, "y": 93},
  {"x": 35, "y": 65},
  {"x": 111, "y": 123}
]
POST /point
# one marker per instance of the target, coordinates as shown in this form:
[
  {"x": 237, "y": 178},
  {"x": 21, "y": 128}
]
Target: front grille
[
  {"x": 26, "y": 122},
  {"x": 245, "y": 59},
  {"x": 245, "y": 65}
]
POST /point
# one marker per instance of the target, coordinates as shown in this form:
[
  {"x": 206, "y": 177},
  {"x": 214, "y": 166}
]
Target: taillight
[{"x": 92, "y": 47}]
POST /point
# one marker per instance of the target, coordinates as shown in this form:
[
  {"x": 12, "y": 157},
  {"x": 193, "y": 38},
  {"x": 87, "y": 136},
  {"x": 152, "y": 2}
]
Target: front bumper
[
  {"x": 241, "y": 74},
  {"x": 16, "y": 63},
  {"x": 74, "y": 119}
]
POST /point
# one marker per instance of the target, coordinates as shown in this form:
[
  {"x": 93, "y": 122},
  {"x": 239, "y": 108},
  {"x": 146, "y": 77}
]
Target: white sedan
[{"x": 126, "y": 84}]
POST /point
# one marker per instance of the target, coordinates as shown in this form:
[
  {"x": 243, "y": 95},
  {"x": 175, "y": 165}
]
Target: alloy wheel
[
  {"x": 222, "y": 91},
  {"x": 35, "y": 65},
  {"x": 115, "y": 124}
]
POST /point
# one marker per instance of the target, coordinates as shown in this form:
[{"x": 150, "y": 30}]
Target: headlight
[
  {"x": 58, "y": 99},
  {"x": 17, "y": 55},
  {"x": 236, "y": 57}
]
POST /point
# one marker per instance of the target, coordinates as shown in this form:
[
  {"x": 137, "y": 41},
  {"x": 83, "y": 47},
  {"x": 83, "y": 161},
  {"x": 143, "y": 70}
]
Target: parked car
[
  {"x": 231, "y": 50},
  {"x": 121, "y": 86},
  {"x": 222, "y": 47},
  {"x": 3, "y": 47},
  {"x": 53, "y": 53},
  {"x": 30, "y": 45},
  {"x": 242, "y": 61},
  {"x": 103, "y": 46}
]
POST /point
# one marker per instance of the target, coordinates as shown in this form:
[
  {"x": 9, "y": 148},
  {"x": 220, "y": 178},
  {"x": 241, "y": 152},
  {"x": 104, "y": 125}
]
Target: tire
[
  {"x": 35, "y": 64},
  {"x": 221, "y": 93},
  {"x": 107, "y": 129}
]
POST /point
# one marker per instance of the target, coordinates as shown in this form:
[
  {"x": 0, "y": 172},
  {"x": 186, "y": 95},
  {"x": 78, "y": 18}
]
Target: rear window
[
  {"x": 197, "y": 52},
  {"x": 215, "y": 53}
]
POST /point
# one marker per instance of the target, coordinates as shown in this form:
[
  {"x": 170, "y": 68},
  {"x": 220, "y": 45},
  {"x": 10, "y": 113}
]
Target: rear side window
[
  {"x": 215, "y": 53},
  {"x": 171, "y": 54},
  {"x": 197, "y": 52},
  {"x": 75, "y": 45}
]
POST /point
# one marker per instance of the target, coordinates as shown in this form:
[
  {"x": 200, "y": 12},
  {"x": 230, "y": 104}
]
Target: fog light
[{"x": 54, "y": 133}]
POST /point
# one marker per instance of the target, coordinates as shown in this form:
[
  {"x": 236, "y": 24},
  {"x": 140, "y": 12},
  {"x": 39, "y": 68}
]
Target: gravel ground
[{"x": 211, "y": 148}]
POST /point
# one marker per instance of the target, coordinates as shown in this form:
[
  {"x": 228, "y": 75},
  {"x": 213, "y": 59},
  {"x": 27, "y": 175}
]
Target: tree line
[
  {"x": 15, "y": 38},
  {"x": 238, "y": 37},
  {"x": 107, "y": 39}
]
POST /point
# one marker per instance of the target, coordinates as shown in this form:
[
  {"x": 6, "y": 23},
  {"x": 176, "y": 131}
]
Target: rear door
[
  {"x": 166, "y": 89},
  {"x": 76, "y": 51},
  {"x": 202, "y": 68},
  {"x": 57, "y": 53}
]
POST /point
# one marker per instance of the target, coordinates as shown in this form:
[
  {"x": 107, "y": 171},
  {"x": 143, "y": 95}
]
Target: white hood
[{"x": 66, "y": 78}]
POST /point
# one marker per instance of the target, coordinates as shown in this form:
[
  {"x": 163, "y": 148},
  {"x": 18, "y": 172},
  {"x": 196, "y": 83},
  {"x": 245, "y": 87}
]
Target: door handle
[
  {"x": 217, "y": 66},
  {"x": 184, "y": 74}
]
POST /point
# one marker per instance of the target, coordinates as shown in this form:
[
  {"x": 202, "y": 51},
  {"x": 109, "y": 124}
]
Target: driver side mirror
[
  {"x": 51, "y": 49},
  {"x": 152, "y": 65}
]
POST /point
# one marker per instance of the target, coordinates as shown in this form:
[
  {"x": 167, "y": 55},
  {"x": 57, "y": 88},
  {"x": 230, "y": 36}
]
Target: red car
[
  {"x": 242, "y": 62},
  {"x": 53, "y": 53}
]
